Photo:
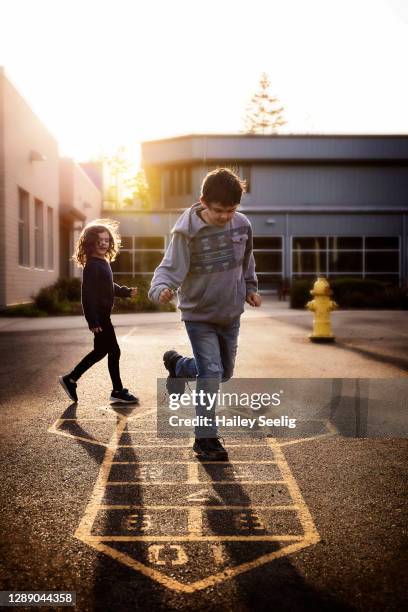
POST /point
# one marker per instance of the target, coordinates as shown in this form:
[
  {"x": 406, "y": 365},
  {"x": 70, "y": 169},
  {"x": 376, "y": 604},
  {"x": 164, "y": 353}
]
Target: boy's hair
[
  {"x": 87, "y": 242},
  {"x": 222, "y": 186}
]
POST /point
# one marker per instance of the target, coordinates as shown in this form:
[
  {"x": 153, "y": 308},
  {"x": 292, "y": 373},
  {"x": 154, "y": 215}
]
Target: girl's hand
[
  {"x": 133, "y": 291},
  {"x": 96, "y": 330}
]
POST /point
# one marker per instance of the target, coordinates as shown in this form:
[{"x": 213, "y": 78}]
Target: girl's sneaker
[
  {"x": 69, "y": 387},
  {"x": 123, "y": 397}
]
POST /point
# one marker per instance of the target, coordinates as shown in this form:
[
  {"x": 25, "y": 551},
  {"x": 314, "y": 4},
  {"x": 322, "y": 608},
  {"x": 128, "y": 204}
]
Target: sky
[{"x": 106, "y": 73}]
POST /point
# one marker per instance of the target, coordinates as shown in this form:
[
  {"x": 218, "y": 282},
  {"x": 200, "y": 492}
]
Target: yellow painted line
[
  {"x": 54, "y": 429},
  {"x": 311, "y": 533},
  {"x": 192, "y": 473},
  {"x": 85, "y": 526},
  {"x": 149, "y": 431},
  {"x": 111, "y": 483},
  {"x": 147, "y": 410},
  {"x": 195, "y": 523},
  {"x": 197, "y": 538},
  {"x": 213, "y": 580},
  {"x": 220, "y": 508},
  {"x": 332, "y": 431},
  {"x": 233, "y": 462},
  {"x": 126, "y": 336},
  {"x": 80, "y": 420},
  {"x": 182, "y": 446},
  {"x": 301, "y": 440},
  {"x": 142, "y": 431}
]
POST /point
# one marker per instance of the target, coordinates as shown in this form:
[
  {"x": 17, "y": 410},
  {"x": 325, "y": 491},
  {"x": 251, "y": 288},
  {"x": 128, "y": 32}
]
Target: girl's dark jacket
[{"x": 99, "y": 291}]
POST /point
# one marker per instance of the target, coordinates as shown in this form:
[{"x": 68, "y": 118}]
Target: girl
[{"x": 99, "y": 244}]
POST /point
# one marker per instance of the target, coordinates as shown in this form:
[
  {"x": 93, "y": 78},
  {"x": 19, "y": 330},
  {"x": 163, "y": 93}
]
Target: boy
[
  {"x": 211, "y": 265},
  {"x": 99, "y": 244}
]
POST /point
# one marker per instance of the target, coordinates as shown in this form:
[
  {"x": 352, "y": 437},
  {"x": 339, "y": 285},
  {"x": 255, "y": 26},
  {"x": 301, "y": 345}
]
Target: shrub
[
  {"x": 353, "y": 293},
  {"x": 22, "y": 310},
  {"x": 69, "y": 289},
  {"x": 47, "y": 299},
  {"x": 141, "y": 302},
  {"x": 64, "y": 298},
  {"x": 300, "y": 293}
]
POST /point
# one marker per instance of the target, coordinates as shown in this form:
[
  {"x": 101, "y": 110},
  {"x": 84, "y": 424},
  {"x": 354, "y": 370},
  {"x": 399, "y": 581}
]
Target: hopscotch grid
[
  {"x": 294, "y": 542},
  {"x": 233, "y": 462},
  {"x": 197, "y": 538},
  {"x": 281, "y": 507},
  {"x": 184, "y": 445},
  {"x": 118, "y": 483}
]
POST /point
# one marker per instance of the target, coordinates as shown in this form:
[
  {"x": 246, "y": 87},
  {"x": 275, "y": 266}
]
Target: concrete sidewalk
[
  {"x": 273, "y": 340},
  {"x": 269, "y": 305}
]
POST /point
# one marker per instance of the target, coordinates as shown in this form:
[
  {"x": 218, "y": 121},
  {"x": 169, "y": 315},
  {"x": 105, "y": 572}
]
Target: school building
[
  {"x": 319, "y": 204},
  {"x": 44, "y": 201}
]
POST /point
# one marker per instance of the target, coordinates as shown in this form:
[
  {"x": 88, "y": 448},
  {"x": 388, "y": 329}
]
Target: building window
[
  {"x": 179, "y": 180},
  {"x": 39, "y": 233},
  {"x": 268, "y": 253},
  {"x": 139, "y": 256},
  {"x": 356, "y": 256},
  {"x": 50, "y": 238},
  {"x": 23, "y": 228}
]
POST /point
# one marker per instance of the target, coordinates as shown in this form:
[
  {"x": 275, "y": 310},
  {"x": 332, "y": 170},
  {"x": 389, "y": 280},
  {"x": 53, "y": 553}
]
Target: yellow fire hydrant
[{"x": 322, "y": 306}]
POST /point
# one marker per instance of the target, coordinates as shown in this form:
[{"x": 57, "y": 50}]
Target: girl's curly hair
[{"x": 87, "y": 242}]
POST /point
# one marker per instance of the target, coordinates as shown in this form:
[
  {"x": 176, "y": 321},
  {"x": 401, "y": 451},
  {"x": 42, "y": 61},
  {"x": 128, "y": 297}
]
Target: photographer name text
[{"x": 234, "y": 421}]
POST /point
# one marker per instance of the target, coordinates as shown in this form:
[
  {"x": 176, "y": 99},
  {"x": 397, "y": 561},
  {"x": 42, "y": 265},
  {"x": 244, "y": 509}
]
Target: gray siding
[
  {"x": 299, "y": 186},
  {"x": 246, "y": 147}
]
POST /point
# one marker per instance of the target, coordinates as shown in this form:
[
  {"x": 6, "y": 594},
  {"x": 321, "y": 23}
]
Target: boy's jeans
[{"x": 214, "y": 348}]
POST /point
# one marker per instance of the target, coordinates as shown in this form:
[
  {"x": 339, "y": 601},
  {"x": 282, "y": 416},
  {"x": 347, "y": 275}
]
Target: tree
[
  {"x": 141, "y": 196},
  {"x": 124, "y": 185},
  {"x": 264, "y": 111}
]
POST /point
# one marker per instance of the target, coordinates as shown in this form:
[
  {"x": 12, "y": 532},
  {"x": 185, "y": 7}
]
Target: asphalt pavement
[{"x": 92, "y": 501}]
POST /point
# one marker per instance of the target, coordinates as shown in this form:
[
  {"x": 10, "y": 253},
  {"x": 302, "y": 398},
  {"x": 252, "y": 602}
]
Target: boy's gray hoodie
[{"x": 212, "y": 268}]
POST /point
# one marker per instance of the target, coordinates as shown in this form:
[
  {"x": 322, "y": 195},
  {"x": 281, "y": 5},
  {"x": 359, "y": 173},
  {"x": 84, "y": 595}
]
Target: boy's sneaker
[
  {"x": 123, "y": 397},
  {"x": 69, "y": 387},
  {"x": 216, "y": 445},
  {"x": 210, "y": 449},
  {"x": 174, "y": 385}
]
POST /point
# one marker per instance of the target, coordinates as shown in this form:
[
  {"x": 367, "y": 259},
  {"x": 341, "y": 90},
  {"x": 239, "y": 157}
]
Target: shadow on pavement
[
  {"x": 274, "y": 585},
  {"x": 348, "y": 414},
  {"x": 398, "y": 362},
  {"x": 394, "y": 360}
]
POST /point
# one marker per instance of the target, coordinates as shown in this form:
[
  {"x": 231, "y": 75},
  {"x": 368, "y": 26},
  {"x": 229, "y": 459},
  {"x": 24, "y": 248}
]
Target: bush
[
  {"x": 64, "y": 298},
  {"x": 353, "y": 293},
  {"x": 300, "y": 293},
  {"x": 69, "y": 289},
  {"x": 60, "y": 297},
  {"x": 22, "y": 310},
  {"x": 47, "y": 299},
  {"x": 141, "y": 302}
]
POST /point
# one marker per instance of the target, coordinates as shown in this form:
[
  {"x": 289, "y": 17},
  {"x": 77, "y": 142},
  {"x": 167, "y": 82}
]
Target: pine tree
[{"x": 264, "y": 112}]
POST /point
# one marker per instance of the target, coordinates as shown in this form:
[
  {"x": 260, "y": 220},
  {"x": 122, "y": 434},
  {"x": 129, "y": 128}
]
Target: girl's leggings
[{"x": 105, "y": 343}]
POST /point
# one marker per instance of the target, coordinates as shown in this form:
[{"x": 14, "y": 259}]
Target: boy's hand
[
  {"x": 133, "y": 292},
  {"x": 165, "y": 296},
  {"x": 96, "y": 330},
  {"x": 254, "y": 299}
]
